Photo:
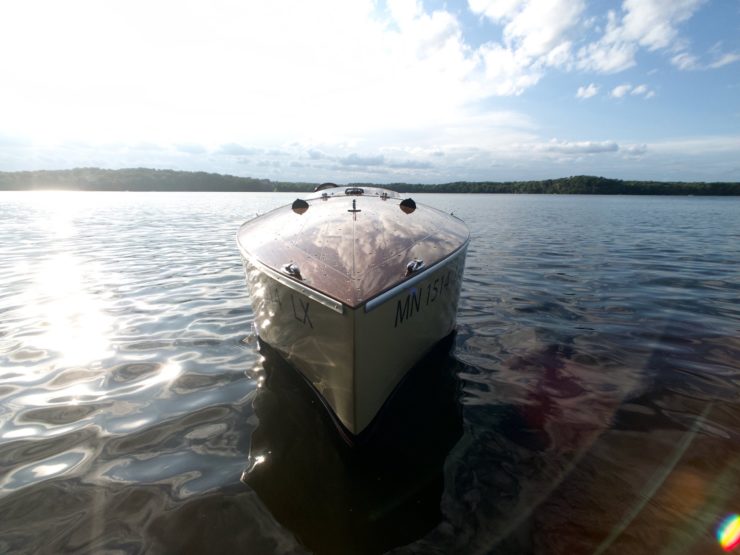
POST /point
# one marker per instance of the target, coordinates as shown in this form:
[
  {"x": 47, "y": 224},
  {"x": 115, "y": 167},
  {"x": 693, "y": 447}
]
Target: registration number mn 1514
[{"x": 417, "y": 298}]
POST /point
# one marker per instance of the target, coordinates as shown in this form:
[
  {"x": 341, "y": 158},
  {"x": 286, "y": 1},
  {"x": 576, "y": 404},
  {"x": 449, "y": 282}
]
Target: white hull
[{"x": 355, "y": 357}]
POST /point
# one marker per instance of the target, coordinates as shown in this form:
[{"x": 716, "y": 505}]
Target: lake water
[{"x": 589, "y": 403}]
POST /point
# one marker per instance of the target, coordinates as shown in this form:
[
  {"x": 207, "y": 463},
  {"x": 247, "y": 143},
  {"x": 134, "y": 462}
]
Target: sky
[{"x": 421, "y": 91}]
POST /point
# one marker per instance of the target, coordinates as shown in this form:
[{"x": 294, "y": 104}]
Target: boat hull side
[
  {"x": 395, "y": 334},
  {"x": 314, "y": 338}
]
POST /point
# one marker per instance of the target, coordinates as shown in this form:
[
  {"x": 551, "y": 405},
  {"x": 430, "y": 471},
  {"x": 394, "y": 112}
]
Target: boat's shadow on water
[{"x": 365, "y": 498}]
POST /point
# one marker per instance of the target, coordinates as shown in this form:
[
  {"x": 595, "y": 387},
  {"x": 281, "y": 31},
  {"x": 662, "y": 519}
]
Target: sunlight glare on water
[{"x": 76, "y": 325}]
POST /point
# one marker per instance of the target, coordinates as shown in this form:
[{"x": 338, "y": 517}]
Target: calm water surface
[{"x": 589, "y": 403}]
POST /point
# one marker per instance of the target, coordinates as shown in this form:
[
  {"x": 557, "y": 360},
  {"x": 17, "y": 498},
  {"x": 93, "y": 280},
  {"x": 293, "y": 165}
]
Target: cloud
[
  {"x": 580, "y": 147},
  {"x": 606, "y": 58},
  {"x": 314, "y": 154},
  {"x": 685, "y": 61},
  {"x": 587, "y": 91},
  {"x": 536, "y": 35},
  {"x": 380, "y": 161},
  {"x": 653, "y": 23},
  {"x": 620, "y": 90},
  {"x": 725, "y": 59},
  {"x": 234, "y": 149},
  {"x": 540, "y": 27},
  {"x": 642, "y": 90},
  {"x": 700, "y": 145},
  {"x": 357, "y": 160},
  {"x": 190, "y": 148},
  {"x": 496, "y": 10},
  {"x": 533, "y": 28},
  {"x": 410, "y": 164},
  {"x": 506, "y": 73},
  {"x": 403, "y": 67},
  {"x": 145, "y": 147},
  {"x": 390, "y": 158},
  {"x": 711, "y": 158},
  {"x": 650, "y": 24},
  {"x": 430, "y": 32},
  {"x": 634, "y": 151}
]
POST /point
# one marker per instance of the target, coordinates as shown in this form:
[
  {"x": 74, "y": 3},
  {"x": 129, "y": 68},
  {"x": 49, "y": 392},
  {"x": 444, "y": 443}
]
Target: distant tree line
[
  {"x": 139, "y": 179},
  {"x": 143, "y": 179},
  {"x": 576, "y": 185}
]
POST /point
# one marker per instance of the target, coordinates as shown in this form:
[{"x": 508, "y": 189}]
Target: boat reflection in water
[{"x": 367, "y": 498}]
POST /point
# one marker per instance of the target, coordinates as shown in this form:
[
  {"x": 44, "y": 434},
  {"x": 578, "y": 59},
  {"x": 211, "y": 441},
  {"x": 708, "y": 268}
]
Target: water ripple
[{"x": 597, "y": 357}]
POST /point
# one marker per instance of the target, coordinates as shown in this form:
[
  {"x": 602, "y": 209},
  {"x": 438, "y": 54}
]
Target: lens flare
[{"x": 728, "y": 533}]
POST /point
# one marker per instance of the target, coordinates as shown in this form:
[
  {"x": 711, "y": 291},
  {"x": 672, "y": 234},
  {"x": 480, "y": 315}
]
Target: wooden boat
[{"x": 353, "y": 285}]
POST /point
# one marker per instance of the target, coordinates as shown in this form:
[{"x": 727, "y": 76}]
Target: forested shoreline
[{"x": 143, "y": 179}]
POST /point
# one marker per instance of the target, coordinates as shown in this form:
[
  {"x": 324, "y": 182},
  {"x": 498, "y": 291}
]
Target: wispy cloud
[
  {"x": 685, "y": 61},
  {"x": 725, "y": 59},
  {"x": 604, "y": 57},
  {"x": 640, "y": 90}
]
